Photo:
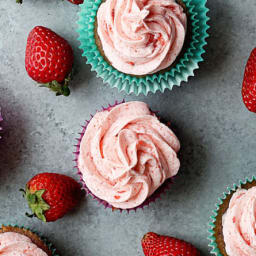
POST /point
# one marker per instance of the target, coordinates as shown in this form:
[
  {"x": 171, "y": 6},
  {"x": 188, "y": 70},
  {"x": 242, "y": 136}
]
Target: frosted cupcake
[
  {"x": 141, "y": 37},
  {"x": 233, "y": 227},
  {"x": 22, "y": 242},
  {"x": 125, "y": 154},
  {"x": 143, "y": 46}
]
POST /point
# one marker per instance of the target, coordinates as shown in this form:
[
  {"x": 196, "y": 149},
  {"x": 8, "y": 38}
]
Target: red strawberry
[
  {"x": 249, "y": 83},
  {"x": 76, "y": 1},
  {"x": 50, "y": 195},
  {"x": 156, "y": 245},
  {"x": 49, "y": 60}
]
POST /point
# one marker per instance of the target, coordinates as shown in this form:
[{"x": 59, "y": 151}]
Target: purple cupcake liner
[
  {"x": 156, "y": 195},
  {"x": 1, "y": 119}
]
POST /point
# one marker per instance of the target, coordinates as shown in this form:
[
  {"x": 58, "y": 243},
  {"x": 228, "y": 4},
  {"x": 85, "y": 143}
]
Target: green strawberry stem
[
  {"x": 59, "y": 88},
  {"x": 36, "y": 203},
  {"x": 19, "y": 1}
]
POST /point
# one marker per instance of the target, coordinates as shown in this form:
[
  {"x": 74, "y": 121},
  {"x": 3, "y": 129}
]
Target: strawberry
[
  {"x": 49, "y": 60},
  {"x": 249, "y": 83},
  {"x": 76, "y": 1},
  {"x": 50, "y": 195},
  {"x": 156, "y": 245}
]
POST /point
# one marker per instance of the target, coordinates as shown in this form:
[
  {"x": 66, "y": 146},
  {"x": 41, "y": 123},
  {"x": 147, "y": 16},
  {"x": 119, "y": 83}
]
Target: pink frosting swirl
[
  {"x": 126, "y": 154},
  {"x": 141, "y": 36},
  {"x": 239, "y": 224},
  {"x": 14, "y": 244}
]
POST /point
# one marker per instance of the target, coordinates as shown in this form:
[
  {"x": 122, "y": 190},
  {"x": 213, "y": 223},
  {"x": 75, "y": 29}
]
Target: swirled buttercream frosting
[
  {"x": 126, "y": 153},
  {"x": 141, "y": 37},
  {"x": 239, "y": 224},
  {"x": 14, "y": 244}
]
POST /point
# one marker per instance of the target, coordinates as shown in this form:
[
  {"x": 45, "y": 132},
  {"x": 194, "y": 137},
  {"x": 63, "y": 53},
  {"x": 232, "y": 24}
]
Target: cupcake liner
[
  {"x": 45, "y": 240},
  {"x": 185, "y": 67},
  {"x": 157, "y": 194},
  {"x": 225, "y": 196}
]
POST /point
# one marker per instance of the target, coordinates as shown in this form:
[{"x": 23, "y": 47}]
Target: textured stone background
[{"x": 216, "y": 131}]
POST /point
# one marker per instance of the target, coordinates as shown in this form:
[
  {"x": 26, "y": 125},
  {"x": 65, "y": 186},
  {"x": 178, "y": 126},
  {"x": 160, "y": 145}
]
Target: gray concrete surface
[{"x": 216, "y": 131}]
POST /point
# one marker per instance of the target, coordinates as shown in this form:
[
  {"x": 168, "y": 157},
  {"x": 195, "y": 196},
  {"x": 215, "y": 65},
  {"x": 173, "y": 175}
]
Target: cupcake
[
  {"x": 125, "y": 155},
  {"x": 233, "y": 224},
  {"x": 23, "y": 242},
  {"x": 142, "y": 46},
  {"x": 140, "y": 37}
]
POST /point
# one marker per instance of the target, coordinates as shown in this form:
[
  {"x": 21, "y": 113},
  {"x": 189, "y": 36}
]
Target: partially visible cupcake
[
  {"x": 234, "y": 222},
  {"x": 143, "y": 46},
  {"x": 23, "y": 242},
  {"x": 1, "y": 119},
  {"x": 125, "y": 154}
]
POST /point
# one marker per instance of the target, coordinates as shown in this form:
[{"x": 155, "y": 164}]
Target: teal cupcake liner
[
  {"x": 185, "y": 67},
  {"x": 44, "y": 239},
  {"x": 230, "y": 190}
]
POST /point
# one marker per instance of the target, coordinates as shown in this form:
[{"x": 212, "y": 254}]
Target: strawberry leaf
[
  {"x": 36, "y": 203},
  {"x": 60, "y": 88}
]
